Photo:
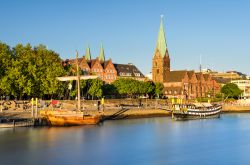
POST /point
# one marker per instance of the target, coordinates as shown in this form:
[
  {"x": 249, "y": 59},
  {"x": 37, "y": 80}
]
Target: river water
[{"x": 136, "y": 141}]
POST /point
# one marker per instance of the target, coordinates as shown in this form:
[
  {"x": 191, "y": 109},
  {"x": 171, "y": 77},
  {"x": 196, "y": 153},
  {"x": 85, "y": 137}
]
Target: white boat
[{"x": 196, "y": 111}]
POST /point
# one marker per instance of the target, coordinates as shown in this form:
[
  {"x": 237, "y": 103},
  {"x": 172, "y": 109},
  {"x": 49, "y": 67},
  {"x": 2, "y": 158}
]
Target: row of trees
[
  {"x": 120, "y": 88},
  {"x": 27, "y": 71}
]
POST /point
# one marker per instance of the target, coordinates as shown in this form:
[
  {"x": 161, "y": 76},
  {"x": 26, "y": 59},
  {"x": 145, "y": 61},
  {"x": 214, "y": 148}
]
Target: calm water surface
[{"x": 137, "y": 141}]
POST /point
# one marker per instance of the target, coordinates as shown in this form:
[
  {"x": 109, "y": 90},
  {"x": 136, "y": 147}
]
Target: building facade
[
  {"x": 106, "y": 70},
  {"x": 232, "y": 75},
  {"x": 180, "y": 83},
  {"x": 244, "y": 85}
]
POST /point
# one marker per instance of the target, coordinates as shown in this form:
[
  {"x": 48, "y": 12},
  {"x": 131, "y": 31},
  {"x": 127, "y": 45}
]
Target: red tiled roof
[{"x": 177, "y": 76}]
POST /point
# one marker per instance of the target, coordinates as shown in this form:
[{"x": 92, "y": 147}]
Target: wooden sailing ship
[{"x": 70, "y": 118}]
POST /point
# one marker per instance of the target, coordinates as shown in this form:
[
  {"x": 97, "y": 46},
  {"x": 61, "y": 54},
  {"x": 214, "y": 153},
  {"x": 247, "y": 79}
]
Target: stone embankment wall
[{"x": 235, "y": 108}]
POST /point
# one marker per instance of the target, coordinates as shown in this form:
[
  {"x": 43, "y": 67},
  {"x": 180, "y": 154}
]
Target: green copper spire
[
  {"x": 88, "y": 54},
  {"x": 101, "y": 55},
  {"x": 161, "y": 42}
]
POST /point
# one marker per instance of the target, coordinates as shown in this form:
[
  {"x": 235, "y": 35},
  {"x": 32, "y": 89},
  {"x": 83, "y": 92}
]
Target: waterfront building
[
  {"x": 232, "y": 75},
  {"x": 179, "y": 83},
  {"x": 244, "y": 85},
  {"x": 106, "y": 70},
  {"x": 129, "y": 71}
]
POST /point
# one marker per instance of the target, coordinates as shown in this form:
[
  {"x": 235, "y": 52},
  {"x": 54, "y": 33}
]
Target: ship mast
[
  {"x": 200, "y": 79},
  {"x": 78, "y": 84}
]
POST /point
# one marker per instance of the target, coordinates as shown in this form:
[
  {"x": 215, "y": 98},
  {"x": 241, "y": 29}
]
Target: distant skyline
[{"x": 219, "y": 31}]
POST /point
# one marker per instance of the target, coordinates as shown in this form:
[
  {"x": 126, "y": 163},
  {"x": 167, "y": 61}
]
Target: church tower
[{"x": 161, "y": 60}]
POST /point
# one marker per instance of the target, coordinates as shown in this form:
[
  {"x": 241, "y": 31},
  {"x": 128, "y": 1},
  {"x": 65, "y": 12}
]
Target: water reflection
[{"x": 136, "y": 141}]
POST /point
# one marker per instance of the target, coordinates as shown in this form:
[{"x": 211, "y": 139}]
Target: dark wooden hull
[{"x": 191, "y": 114}]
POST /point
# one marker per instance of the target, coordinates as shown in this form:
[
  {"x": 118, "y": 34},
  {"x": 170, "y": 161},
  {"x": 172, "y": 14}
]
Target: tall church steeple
[
  {"x": 101, "y": 55},
  {"x": 88, "y": 54},
  {"x": 161, "y": 60},
  {"x": 161, "y": 41}
]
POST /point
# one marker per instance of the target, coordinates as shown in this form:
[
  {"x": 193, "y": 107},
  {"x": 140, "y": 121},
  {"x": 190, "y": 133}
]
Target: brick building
[
  {"x": 129, "y": 71},
  {"x": 180, "y": 83},
  {"x": 105, "y": 69}
]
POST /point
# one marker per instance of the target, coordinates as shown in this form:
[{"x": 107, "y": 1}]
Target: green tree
[
  {"x": 231, "y": 90},
  {"x": 5, "y": 64},
  {"x": 158, "y": 89},
  {"x": 126, "y": 86},
  {"x": 109, "y": 89},
  {"x": 95, "y": 89},
  {"x": 34, "y": 71},
  {"x": 49, "y": 68}
]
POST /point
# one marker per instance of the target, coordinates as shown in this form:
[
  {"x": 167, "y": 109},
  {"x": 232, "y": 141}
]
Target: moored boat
[
  {"x": 196, "y": 111},
  {"x": 67, "y": 118},
  {"x": 70, "y": 118}
]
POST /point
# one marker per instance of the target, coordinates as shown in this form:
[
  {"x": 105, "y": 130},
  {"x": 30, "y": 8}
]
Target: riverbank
[
  {"x": 113, "y": 109},
  {"x": 108, "y": 114},
  {"x": 228, "y": 108}
]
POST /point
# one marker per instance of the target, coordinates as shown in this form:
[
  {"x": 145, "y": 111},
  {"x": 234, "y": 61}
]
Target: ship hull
[
  {"x": 191, "y": 114},
  {"x": 68, "y": 118},
  {"x": 72, "y": 120}
]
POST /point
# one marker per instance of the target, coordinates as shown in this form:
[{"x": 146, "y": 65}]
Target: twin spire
[
  {"x": 161, "y": 41},
  {"x": 101, "y": 55},
  {"x": 88, "y": 54}
]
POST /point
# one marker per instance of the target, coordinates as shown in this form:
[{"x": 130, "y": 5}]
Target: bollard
[
  {"x": 32, "y": 107},
  {"x": 36, "y": 112}
]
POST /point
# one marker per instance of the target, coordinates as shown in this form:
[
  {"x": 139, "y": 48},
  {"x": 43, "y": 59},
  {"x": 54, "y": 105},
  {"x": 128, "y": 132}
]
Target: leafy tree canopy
[
  {"x": 231, "y": 90},
  {"x": 28, "y": 71}
]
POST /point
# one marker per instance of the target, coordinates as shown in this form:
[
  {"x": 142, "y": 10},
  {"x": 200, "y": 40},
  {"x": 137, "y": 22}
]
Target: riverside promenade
[{"x": 112, "y": 109}]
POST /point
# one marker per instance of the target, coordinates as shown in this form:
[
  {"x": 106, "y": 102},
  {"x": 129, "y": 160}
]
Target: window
[
  {"x": 157, "y": 71},
  {"x": 137, "y": 74},
  {"x": 128, "y": 74}
]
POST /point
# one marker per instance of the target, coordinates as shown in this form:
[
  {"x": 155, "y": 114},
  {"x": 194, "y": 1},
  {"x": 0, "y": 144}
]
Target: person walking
[{"x": 102, "y": 103}]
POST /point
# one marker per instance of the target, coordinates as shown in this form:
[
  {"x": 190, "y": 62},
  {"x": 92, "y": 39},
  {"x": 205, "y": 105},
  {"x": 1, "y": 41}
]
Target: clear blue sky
[{"x": 219, "y": 30}]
